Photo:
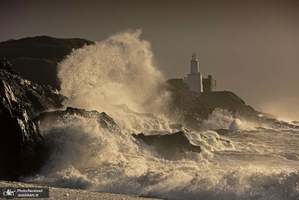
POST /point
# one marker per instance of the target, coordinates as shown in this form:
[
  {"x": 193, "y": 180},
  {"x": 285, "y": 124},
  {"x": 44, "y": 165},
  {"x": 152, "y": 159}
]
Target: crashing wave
[{"x": 118, "y": 76}]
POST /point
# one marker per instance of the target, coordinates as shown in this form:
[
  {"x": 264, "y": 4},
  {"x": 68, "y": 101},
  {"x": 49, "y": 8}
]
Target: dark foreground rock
[
  {"x": 23, "y": 150},
  {"x": 21, "y": 145},
  {"x": 34, "y": 98},
  {"x": 169, "y": 145},
  {"x": 20, "y": 139}
]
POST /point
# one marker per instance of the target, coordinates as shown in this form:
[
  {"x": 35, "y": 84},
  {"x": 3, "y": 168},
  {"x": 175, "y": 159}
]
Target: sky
[{"x": 251, "y": 47}]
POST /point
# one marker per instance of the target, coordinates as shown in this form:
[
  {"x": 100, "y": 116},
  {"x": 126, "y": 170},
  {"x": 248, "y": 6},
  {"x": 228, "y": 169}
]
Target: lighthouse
[
  {"x": 195, "y": 80},
  {"x": 194, "y": 64}
]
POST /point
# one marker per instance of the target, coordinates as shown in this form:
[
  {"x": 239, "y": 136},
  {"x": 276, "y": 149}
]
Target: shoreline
[{"x": 56, "y": 193}]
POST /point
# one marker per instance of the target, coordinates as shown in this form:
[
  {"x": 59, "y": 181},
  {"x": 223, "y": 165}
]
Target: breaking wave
[
  {"x": 86, "y": 156},
  {"x": 223, "y": 119},
  {"x": 118, "y": 76}
]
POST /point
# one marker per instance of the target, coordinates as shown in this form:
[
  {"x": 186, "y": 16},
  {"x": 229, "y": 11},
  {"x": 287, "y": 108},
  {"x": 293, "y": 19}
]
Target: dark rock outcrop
[
  {"x": 20, "y": 139},
  {"x": 21, "y": 145},
  {"x": 169, "y": 146},
  {"x": 104, "y": 120},
  {"x": 194, "y": 107},
  {"x": 23, "y": 149},
  {"x": 33, "y": 97},
  {"x": 36, "y": 58}
]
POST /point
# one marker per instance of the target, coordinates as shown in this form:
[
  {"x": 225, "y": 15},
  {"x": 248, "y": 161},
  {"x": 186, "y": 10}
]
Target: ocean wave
[
  {"x": 106, "y": 77},
  {"x": 85, "y": 155}
]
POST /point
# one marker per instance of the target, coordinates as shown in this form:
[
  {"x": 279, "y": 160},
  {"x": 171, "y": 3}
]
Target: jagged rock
[
  {"x": 33, "y": 97},
  {"x": 21, "y": 145},
  {"x": 20, "y": 142},
  {"x": 102, "y": 118},
  {"x": 169, "y": 146}
]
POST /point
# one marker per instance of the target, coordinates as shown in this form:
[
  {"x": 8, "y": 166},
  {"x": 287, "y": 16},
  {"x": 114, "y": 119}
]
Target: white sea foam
[
  {"x": 223, "y": 119},
  {"x": 118, "y": 76},
  {"x": 89, "y": 157}
]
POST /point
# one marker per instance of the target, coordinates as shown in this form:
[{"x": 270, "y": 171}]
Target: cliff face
[
  {"x": 21, "y": 145},
  {"x": 194, "y": 107},
  {"x": 33, "y": 97},
  {"x": 36, "y": 58},
  {"x": 20, "y": 138}
]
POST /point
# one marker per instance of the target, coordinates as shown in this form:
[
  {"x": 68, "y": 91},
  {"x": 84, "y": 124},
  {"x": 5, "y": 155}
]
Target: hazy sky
[{"x": 251, "y": 47}]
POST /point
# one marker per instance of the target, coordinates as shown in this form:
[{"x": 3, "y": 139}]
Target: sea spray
[
  {"x": 87, "y": 156},
  {"x": 90, "y": 157},
  {"x": 118, "y": 76},
  {"x": 223, "y": 119}
]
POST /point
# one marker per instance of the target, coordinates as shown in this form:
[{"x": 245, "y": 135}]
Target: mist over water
[{"x": 118, "y": 76}]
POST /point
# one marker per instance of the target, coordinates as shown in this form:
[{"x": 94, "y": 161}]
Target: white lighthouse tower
[{"x": 194, "y": 79}]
